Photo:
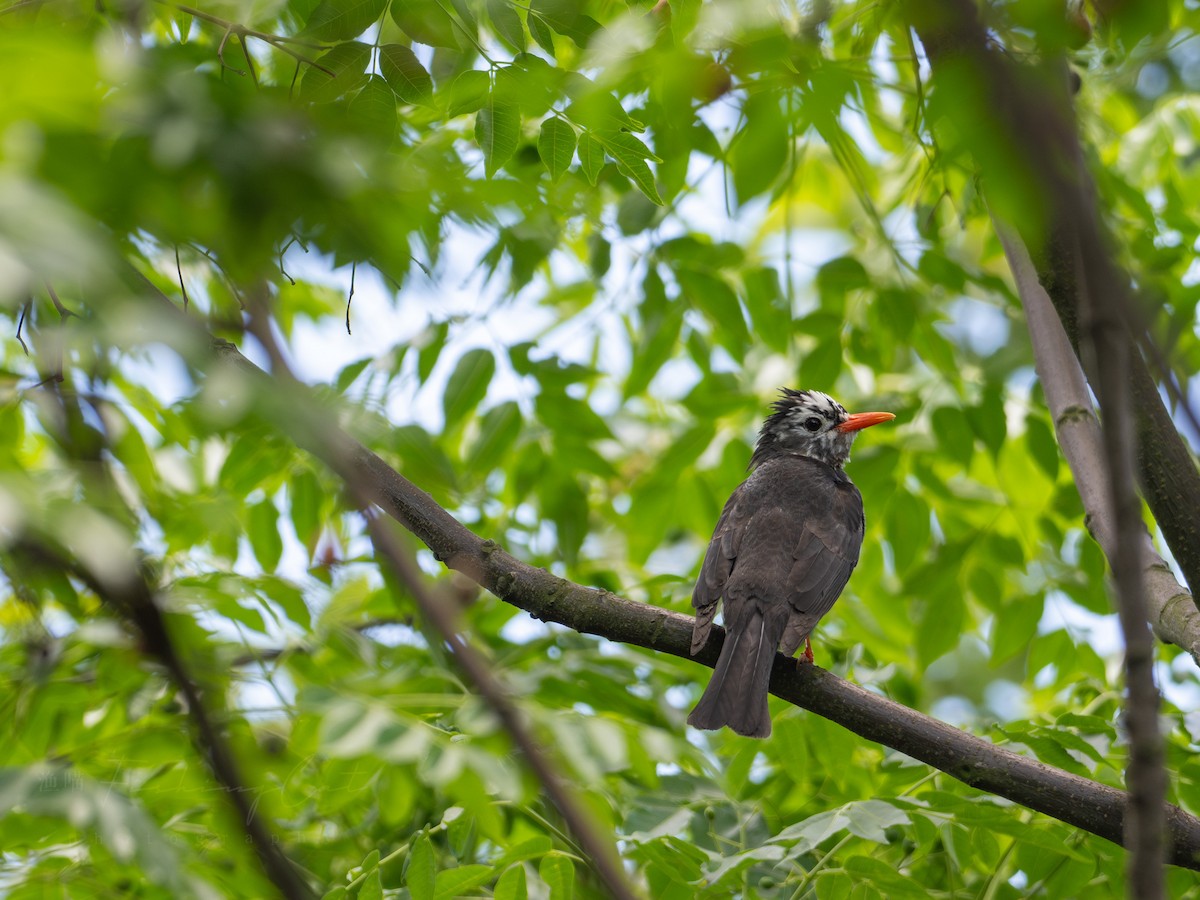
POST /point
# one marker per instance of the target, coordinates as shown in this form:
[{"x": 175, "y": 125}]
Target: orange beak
[{"x": 859, "y": 421}]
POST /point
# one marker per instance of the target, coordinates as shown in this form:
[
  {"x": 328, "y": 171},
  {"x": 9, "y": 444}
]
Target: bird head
[{"x": 809, "y": 423}]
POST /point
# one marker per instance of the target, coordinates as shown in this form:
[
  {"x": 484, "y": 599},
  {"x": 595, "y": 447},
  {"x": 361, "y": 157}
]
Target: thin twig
[
  {"x": 21, "y": 321},
  {"x": 353, "y": 271},
  {"x": 179, "y": 272}
]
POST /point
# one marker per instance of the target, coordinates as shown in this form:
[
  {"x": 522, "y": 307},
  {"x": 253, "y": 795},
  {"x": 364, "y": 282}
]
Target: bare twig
[
  {"x": 179, "y": 272},
  {"x": 21, "y": 321},
  {"x": 353, "y": 272},
  {"x": 278, "y": 41}
]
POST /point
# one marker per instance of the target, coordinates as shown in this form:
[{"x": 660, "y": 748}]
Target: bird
[{"x": 780, "y": 555}]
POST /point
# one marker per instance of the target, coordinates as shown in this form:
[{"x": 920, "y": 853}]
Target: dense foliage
[{"x": 586, "y": 241}]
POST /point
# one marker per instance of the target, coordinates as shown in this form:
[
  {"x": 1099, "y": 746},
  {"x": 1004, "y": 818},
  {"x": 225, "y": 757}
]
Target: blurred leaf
[
  {"x": 558, "y": 872},
  {"x": 374, "y": 109},
  {"x": 264, "y": 535},
  {"x": 348, "y": 63},
  {"x": 457, "y": 882},
  {"x": 405, "y": 74},
  {"x": 511, "y": 885},
  {"x": 339, "y": 20},
  {"x": 426, "y": 21},
  {"x": 421, "y": 871},
  {"x": 564, "y": 17},
  {"x": 498, "y": 431},
  {"x": 591, "y": 156},
  {"x": 507, "y": 23},
  {"x": 468, "y": 384},
  {"x": 468, "y": 92},
  {"x": 556, "y": 146},
  {"x": 497, "y": 129},
  {"x": 760, "y": 149},
  {"x": 630, "y": 155}
]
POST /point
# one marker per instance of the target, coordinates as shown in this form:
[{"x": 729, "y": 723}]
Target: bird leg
[{"x": 807, "y": 657}]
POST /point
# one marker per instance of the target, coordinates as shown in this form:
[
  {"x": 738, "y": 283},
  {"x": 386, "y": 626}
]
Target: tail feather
[{"x": 737, "y": 694}]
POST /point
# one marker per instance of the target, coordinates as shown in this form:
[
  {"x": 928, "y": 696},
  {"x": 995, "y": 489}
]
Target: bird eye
[{"x": 812, "y": 423}]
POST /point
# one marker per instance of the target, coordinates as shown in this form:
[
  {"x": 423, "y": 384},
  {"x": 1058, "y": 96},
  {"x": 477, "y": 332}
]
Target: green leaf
[
  {"x": 497, "y": 130},
  {"x": 497, "y": 431},
  {"x": 953, "y": 433},
  {"x": 468, "y": 92},
  {"x": 372, "y": 887},
  {"x": 988, "y": 419},
  {"x": 468, "y": 384},
  {"x": 305, "y": 503},
  {"x": 556, "y": 146},
  {"x": 427, "y": 22},
  {"x": 908, "y": 528},
  {"x": 420, "y": 876},
  {"x": 566, "y": 504},
  {"x": 541, "y": 33},
  {"x": 507, "y": 23},
  {"x": 558, "y": 872},
  {"x": 630, "y": 155},
  {"x": 348, "y": 63},
  {"x": 339, "y": 20},
  {"x": 1015, "y": 627},
  {"x": 760, "y": 149},
  {"x": 374, "y": 109},
  {"x": 262, "y": 527},
  {"x": 837, "y": 278},
  {"x": 1039, "y": 438},
  {"x": 405, "y": 74},
  {"x": 65, "y": 794},
  {"x": 939, "y": 625},
  {"x": 564, "y": 17},
  {"x": 591, "y": 157},
  {"x": 459, "y": 882},
  {"x": 715, "y": 298},
  {"x": 769, "y": 309},
  {"x": 511, "y": 885}
]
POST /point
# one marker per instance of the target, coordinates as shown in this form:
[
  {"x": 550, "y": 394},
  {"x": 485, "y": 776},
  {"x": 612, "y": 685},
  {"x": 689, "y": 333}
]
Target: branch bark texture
[
  {"x": 1172, "y": 612},
  {"x": 1045, "y": 160},
  {"x": 1039, "y": 124}
]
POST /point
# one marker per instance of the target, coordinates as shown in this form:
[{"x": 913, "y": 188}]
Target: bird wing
[
  {"x": 718, "y": 564},
  {"x": 822, "y": 561}
]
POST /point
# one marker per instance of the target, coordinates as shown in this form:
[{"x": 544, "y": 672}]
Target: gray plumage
[{"x": 782, "y": 552}]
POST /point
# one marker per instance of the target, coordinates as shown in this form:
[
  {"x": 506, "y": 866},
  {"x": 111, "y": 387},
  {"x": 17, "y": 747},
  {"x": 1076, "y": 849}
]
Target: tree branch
[
  {"x": 131, "y": 596},
  {"x": 339, "y": 453},
  {"x": 1045, "y": 161},
  {"x": 1173, "y": 615},
  {"x": 1077, "y": 801}
]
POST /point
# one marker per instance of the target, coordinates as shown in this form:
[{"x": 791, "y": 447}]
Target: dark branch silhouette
[
  {"x": 307, "y": 426},
  {"x": 1033, "y": 108}
]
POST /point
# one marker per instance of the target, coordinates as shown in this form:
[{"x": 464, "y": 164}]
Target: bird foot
[{"x": 807, "y": 656}]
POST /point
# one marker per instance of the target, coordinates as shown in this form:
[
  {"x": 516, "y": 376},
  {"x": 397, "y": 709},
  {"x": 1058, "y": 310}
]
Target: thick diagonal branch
[
  {"x": 1173, "y": 614},
  {"x": 1078, "y": 801},
  {"x": 1044, "y": 160},
  {"x": 308, "y": 427}
]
